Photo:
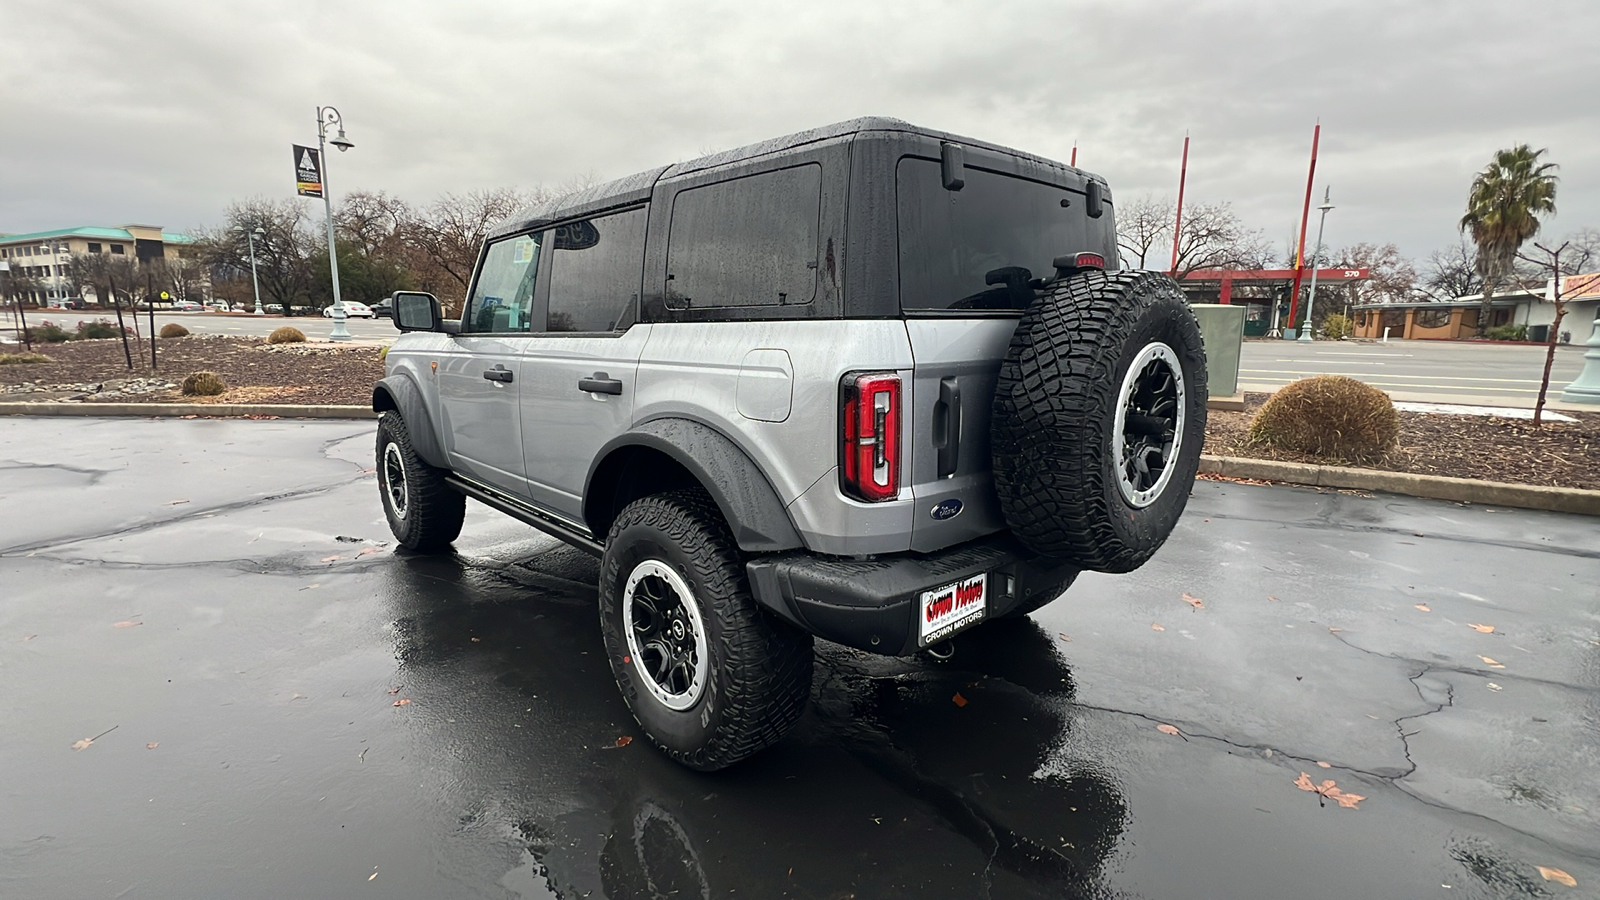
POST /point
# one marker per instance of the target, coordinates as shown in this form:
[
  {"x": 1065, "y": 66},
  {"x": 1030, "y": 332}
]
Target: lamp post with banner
[{"x": 312, "y": 177}]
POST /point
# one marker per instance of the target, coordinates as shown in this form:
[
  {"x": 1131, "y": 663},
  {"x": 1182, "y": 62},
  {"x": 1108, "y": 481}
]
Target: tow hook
[{"x": 943, "y": 651}]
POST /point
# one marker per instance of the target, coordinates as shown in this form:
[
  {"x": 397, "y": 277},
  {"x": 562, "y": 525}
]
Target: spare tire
[{"x": 1099, "y": 417}]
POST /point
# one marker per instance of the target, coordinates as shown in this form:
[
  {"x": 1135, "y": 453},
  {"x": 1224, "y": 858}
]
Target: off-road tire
[
  {"x": 1055, "y": 438},
  {"x": 430, "y": 515},
  {"x": 758, "y": 675}
]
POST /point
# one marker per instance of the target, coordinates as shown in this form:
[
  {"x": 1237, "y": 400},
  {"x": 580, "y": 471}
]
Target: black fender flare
[
  {"x": 401, "y": 394},
  {"x": 755, "y": 514}
]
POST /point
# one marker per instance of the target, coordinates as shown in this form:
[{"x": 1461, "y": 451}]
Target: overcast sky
[{"x": 163, "y": 112}]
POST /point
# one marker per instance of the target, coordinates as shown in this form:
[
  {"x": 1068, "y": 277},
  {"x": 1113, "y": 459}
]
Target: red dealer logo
[{"x": 963, "y": 596}]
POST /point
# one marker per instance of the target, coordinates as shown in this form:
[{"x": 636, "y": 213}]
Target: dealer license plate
[{"x": 948, "y": 609}]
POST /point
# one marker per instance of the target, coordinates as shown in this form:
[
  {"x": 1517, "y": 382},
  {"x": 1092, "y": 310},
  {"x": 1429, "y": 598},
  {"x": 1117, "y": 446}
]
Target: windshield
[{"x": 977, "y": 248}]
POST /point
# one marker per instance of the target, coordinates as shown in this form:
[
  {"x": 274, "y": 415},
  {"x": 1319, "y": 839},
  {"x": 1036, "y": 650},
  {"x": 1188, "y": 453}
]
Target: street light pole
[
  {"x": 328, "y": 117},
  {"x": 1305, "y": 329},
  {"x": 254, "y": 281}
]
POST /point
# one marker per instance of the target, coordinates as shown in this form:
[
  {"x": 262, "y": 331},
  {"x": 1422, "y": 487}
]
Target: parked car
[
  {"x": 869, "y": 383},
  {"x": 187, "y": 306},
  {"x": 352, "y": 310},
  {"x": 384, "y": 308}
]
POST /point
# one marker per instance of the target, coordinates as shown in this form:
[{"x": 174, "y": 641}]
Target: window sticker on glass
[{"x": 524, "y": 251}]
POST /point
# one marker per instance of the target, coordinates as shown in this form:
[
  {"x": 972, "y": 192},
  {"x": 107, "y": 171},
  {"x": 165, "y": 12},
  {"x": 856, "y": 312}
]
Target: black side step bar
[{"x": 573, "y": 534}]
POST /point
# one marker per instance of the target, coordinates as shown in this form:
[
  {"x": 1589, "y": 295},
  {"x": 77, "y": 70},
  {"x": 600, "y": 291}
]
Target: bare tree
[
  {"x": 1452, "y": 273},
  {"x": 1143, "y": 227},
  {"x": 1562, "y": 278},
  {"x": 449, "y": 235},
  {"x": 1391, "y": 277},
  {"x": 1213, "y": 237},
  {"x": 283, "y": 255}
]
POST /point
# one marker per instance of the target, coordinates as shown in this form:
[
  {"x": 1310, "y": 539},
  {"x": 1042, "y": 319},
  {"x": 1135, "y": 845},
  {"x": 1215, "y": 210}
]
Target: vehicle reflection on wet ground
[{"x": 299, "y": 715}]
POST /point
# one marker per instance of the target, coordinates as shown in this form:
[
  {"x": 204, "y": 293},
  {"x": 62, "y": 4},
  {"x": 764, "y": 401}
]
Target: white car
[{"x": 352, "y": 309}]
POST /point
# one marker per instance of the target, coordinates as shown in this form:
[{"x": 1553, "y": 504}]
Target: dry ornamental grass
[{"x": 1330, "y": 416}]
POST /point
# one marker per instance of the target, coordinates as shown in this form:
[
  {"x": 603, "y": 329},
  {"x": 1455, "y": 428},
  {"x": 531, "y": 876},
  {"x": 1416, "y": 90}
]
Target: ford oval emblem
[{"x": 947, "y": 509}]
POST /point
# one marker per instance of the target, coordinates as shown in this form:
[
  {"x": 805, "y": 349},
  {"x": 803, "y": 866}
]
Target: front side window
[
  {"x": 977, "y": 248},
  {"x": 117, "y": 249},
  {"x": 94, "y": 247},
  {"x": 595, "y": 272},
  {"x": 751, "y": 241},
  {"x": 502, "y": 297}
]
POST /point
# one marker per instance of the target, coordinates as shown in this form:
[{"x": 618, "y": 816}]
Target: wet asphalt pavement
[{"x": 181, "y": 590}]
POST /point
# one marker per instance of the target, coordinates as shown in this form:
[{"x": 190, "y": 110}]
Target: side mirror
[{"x": 415, "y": 311}]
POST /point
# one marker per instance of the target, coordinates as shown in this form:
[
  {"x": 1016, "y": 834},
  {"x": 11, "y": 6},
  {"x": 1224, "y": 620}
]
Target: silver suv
[{"x": 870, "y": 383}]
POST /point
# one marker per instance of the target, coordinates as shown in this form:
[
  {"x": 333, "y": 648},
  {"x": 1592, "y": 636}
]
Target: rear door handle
[
  {"x": 947, "y": 426},
  {"x": 499, "y": 373},
  {"x": 600, "y": 383}
]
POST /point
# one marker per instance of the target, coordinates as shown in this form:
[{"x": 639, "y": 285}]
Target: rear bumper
[{"x": 872, "y": 604}]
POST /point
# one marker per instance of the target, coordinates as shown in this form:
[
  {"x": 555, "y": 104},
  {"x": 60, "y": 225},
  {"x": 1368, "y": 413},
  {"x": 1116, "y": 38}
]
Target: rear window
[
  {"x": 751, "y": 241},
  {"x": 978, "y": 247}
]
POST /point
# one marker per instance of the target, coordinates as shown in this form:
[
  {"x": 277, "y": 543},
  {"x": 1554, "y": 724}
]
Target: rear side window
[
  {"x": 751, "y": 241},
  {"x": 978, "y": 247},
  {"x": 502, "y": 298},
  {"x": 595, "y": 269}
]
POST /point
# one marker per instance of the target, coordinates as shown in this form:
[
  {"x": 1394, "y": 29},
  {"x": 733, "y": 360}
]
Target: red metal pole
[
  {"x": 1074, "y": 162},
  {"x": 1305, "y": 214},
  {"x": 1177, "y": 226}
]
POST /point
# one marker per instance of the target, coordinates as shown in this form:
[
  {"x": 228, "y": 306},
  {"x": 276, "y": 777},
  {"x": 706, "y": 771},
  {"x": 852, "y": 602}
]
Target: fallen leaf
[
  {"x": 370, "y": 550},
  {"x": 372, "y": 876},
  {"x": 1194, "y": 601},
  {"x": 1328, "y": 790},
  {"x": 176, "y": 502},
  {"x": 1485, "y": 629},
  {"x": 1491, "y": 663},
  {"x": 79, "y": 745},
  {"x": 1335, "y": 630},
  {"x": 1155, "y": 627},
  {"x": 476, "y": 640},
  {"x": 625, "y": 740},
  {"x": 28, "y": 637},
  {"x": 152, "y": 745},
  {"x": 395, "y": 689},
  {"x": 299, "y": 697},
  {"x": 332, "y": 558},
  {"x": 1058, "y": 636},
  {"x": 1557, "y": 876},
  {"x": 1167, "y": 729},
  {"x": 1271, "y": 597},
  {"x": 958, "y": 699},
  {"x": 1493, "y": 687},
  {"x": 126, "y": 624},
  {"x": 401, "y": 702},
  {"x": 1424, "y": 607},
  {"x": 1323, "y": 764}
]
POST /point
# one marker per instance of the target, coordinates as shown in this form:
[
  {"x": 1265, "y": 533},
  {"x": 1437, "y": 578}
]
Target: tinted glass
[
  {"x": 976, "y": 248},
  {"x": 502, "y": 299},
  {"x": 751, "y": 241},
  {"x": 595, "y": 270}
]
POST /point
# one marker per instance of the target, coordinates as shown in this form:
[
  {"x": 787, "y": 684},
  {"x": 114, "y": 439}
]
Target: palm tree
[{"x": 1503, "y": 209}]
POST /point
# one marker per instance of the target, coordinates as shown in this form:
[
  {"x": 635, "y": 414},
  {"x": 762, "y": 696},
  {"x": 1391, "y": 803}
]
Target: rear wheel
[
  {"x": 710, "y": 677},
  {"x": 1099, "y": 418},
  {"x": 424, "y": 512}
]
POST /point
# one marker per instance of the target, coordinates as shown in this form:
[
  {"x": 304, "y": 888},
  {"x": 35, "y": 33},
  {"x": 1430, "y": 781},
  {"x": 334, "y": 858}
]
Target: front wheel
[
  {"x": 424, "y": 512},
  {"x": 710, "y": 677}
]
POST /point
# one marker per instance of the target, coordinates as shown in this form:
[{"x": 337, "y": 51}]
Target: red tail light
[{"x": 869, "y": 455}]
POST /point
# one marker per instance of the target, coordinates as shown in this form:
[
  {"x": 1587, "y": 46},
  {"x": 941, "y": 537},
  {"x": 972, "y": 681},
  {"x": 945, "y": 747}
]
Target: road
[
  {"x": 213, "y": 603},
  {"x": 1446, "y": 371},
  {"x": 238, "y": 324}
]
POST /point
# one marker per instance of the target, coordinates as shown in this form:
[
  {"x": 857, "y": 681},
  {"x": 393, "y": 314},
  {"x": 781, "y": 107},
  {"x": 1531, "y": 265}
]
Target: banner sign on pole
[{"x": 308, "y": 171}]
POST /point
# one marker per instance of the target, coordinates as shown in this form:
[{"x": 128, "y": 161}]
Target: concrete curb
[
  {"x": 170, "y": 410},
  {"x": 1434, "y": 487}
]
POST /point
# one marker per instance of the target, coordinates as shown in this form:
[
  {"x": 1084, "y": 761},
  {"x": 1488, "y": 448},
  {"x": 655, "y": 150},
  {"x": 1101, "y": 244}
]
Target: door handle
[
  {"x": 498, "y": 373},
  {"x": 947, "y": 426},
  {"x": 600, "y": 383}
]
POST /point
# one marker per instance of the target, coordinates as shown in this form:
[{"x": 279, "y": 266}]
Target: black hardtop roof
[{"x": 636, "y": 188}]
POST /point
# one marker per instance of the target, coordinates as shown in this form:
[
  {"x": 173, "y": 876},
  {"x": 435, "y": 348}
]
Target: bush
[
  {"x": 1336, "y": 327},
  {"x": 99, "y": 328},
  {"x": 174, "y": 330},
  {"x": 1507, "y": 333},
  {"x": 203, "y": 384},
  {"x": 288, "y": 334},
  {"x": 49, "y": 333},
  {"x": 383, "y": 354},
  {"x": 1329, "y": 415},
  {"x": 23, "y": 359}
]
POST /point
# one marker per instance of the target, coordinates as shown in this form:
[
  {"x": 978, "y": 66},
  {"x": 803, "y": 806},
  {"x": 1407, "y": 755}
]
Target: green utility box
[{"x": 1222, "y": 326}]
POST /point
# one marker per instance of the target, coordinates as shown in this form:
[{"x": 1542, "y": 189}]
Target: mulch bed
[
  {"x": 1557, "y": 454},
  {"x": 316, "y": 373}
]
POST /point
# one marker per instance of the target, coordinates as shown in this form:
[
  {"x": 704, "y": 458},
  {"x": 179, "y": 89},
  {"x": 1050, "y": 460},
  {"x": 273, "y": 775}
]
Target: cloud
[{"x": 167, "y": 115}]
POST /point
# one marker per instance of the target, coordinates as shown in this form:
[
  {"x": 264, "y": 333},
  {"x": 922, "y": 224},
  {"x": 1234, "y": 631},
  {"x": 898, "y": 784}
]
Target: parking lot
[{"x": 221, "y": 681}]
